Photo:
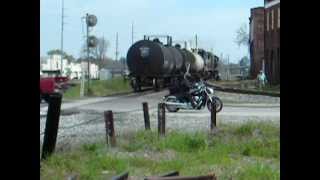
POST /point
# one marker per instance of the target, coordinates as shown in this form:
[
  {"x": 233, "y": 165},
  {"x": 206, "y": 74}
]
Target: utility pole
[
  {"x": 91, "y": 20},
  {"x": 62, "y": 24},
  {"x": 117, "y": 53},
  {"x": 132, "y": 33},
  {"x": 196, "y": 42},
  {"x": 82, "y": 84},
  {"x": 228, "y": 68},
  {"x": 88, "y": 55},
  {"x": 225, "y": 66}
]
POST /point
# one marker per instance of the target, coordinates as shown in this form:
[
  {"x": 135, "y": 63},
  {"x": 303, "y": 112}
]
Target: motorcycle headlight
[{"x": 209, "y": 90}]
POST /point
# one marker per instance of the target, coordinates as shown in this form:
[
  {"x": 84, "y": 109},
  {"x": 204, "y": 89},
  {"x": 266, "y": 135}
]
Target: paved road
[
  {"x": 101, "y": 104},
  {"x": 133, "y": 102}
]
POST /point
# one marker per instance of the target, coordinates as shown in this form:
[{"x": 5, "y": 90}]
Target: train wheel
[
  {"x": 161, "y": 84},
  {"x": 135, "y": 89},
  {"x": 135, "y": 85},
  {"x": 155, "y": 84}
]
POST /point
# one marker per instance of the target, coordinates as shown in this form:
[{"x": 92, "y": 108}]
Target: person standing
[{"x": 262, "y": 79}]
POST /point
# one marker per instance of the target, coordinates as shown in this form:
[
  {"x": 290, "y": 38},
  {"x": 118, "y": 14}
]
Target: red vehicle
[{"x": 52, "y": 82}]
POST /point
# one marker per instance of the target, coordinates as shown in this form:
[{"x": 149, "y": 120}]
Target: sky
[{"x": 214, "y": 21}]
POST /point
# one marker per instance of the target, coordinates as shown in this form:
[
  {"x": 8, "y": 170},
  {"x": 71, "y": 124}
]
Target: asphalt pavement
[{"x": 133, "y": 102}]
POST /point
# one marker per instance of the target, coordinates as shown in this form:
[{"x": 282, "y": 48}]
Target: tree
[
  {"x": 70, "y": 58},
  {"x": 55, "y": 51},
  {"x": 68, "y": 72},
  {"x": 101, "y": 50},
  {"x": 244, "y": 62},
  {"x": 65, "y": 55},
  {"x": 98, "y": 53},
  {"x": 123, "y": 62},
  {"x": 242, "y": 36}
]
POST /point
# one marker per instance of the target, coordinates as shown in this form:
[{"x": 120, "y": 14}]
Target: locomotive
[{"x": 152, "y": 63}]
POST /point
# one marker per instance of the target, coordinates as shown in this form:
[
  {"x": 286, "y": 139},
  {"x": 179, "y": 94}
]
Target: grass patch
[
  {"x": 238, "y": 151},
  {"x": 100, "y": 88}
]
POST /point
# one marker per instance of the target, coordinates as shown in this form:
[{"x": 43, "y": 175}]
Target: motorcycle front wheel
[
  {"x": 171, "y": 108},
  {"x": 218, "y": 103}
]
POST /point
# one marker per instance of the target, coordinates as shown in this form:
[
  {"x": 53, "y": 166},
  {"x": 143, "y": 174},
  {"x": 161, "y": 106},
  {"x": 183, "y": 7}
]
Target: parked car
[
  {"x": 52, "y": 82},
  {"x": 47, "y": 87}
]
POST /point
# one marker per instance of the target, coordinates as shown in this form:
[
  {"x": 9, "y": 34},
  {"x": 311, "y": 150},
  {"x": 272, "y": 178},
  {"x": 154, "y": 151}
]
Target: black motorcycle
[{"x": 201, "y": 96}]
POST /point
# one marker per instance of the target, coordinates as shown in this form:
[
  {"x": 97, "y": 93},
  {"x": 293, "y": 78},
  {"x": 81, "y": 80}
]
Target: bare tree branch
[
  {"x": 242, "y": 36},
  {"x": 101, "y": 50}
]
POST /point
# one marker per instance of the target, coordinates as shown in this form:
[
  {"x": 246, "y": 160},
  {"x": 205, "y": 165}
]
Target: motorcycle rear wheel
[
  {"x": 171, "y": 108},
  {"x": 218, "y": 103}
]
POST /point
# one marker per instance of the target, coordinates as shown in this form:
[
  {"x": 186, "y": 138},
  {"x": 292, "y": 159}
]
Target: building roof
[
  {"x": 270, "y": 3},
  {"x": 255, "y": 8}
]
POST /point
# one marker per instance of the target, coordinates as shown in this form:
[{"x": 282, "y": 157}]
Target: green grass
[
  {"x": 238, "y": 151},
  {"x": 100, "y": 88}
]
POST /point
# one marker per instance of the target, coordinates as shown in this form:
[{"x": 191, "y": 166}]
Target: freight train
[{"x": 152, "y": 63}]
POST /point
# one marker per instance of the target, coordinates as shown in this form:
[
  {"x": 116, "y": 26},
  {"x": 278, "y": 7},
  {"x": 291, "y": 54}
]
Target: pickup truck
[{"x": 49, "y": 85}]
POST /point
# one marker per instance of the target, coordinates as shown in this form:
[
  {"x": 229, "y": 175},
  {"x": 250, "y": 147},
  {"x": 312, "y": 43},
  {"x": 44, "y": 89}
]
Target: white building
[
  {"x": 105, "y": 74},
  {"x": 53, "y": 63},
  {"x": 94, "y": 69},
  {"x": 76, "y": 71}
]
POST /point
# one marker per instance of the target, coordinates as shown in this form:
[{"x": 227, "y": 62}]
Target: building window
[
  {"x": 278, "y": 17},
  {"x": 267, "y": 21},
  {"x": 272, "y": 19}
]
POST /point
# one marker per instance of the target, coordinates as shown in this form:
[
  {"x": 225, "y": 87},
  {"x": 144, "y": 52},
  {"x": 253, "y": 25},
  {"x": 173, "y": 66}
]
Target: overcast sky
[{"x": 214, "y": 21}]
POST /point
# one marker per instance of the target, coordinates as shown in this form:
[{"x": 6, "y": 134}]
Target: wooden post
[
  {"x": 174, "y": 173},
  {"x": 208, "y": 177},
  {"x": 106, "y": 122},
  {"x": 52, "y": 125},
  {"x": 146, "y": 116},
  {"x": 171, "y": 174},
  {"x": 123, "y": 176},
  {"x": 108, "y": 117},
  {"x": 161, "y": 119},
  {"x": 213, "y": 122}
]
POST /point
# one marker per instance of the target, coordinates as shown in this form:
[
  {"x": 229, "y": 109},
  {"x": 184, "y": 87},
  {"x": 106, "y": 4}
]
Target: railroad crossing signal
[
  {"x": 92, "y": 41},
  {"x": 91, "y": 20}
]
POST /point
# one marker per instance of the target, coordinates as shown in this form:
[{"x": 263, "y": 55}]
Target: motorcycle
[{"x": 201, "y": 94}]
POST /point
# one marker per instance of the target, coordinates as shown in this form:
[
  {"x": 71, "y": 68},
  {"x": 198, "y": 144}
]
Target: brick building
[
  {"x": 265, "y": 40},
  {"x": 256, "y": 40},
  {"x": 272, "y": 40}
]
